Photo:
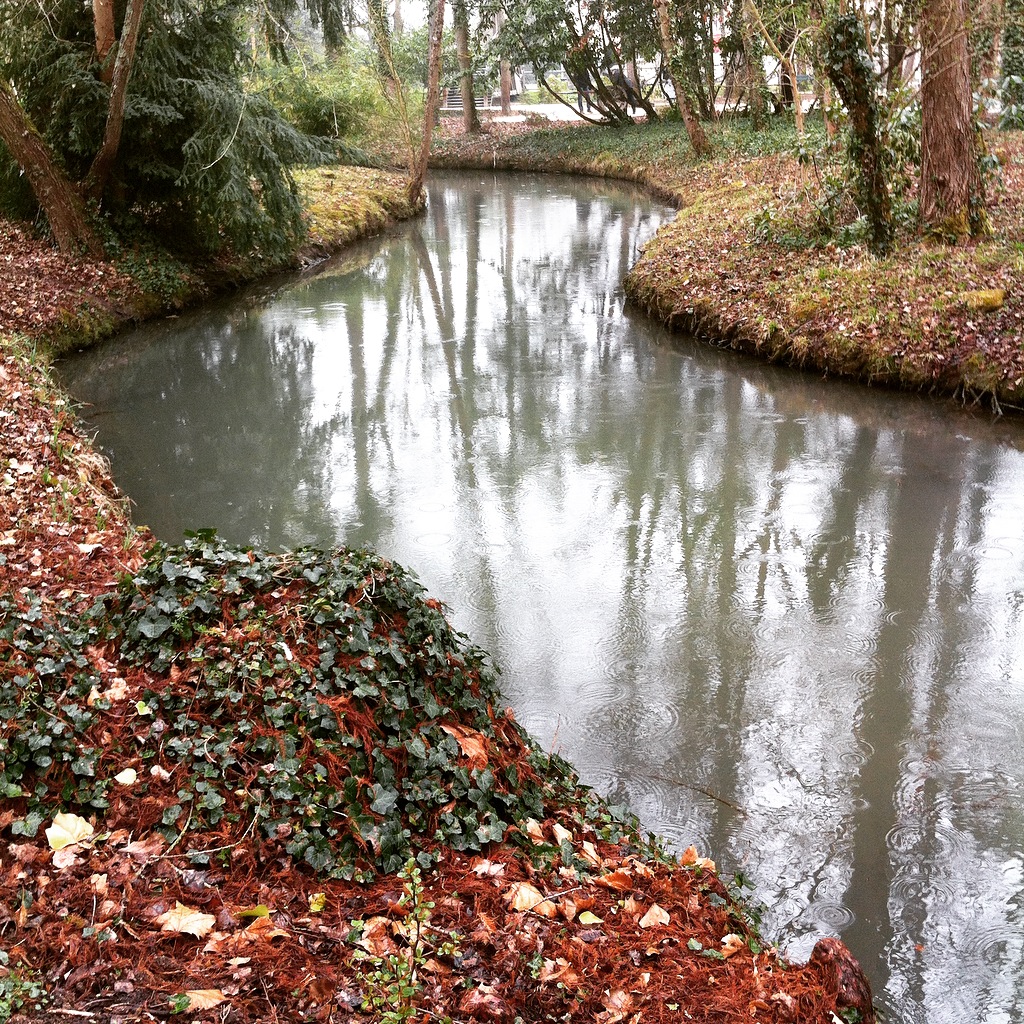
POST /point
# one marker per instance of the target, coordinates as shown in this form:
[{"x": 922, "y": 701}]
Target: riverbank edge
[
  {"x": 79, "y": 487},
  {"x": 344, "y": 205},
  {"x": 946, "y": 321}
]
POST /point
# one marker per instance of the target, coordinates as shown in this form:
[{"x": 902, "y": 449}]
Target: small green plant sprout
[
  {"x": 392, "y": 979},
  {"x": 20, "y": 989}
]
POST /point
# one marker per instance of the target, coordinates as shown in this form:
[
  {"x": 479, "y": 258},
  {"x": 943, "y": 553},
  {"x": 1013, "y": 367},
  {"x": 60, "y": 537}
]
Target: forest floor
[
  {"x": 112, "y": 910},
  {"x": 748, "y": 263}
]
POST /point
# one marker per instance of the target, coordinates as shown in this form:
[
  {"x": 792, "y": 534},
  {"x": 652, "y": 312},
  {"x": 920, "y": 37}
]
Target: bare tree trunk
[
  {"x": 951, "y": 202},
  {"x": 106, "y": 36},
  {"x": 470, "y": 121},
  {"x": 433, "y": 103},
  {"x": 694, "y": 129},
  {"x": 506, "y": 87},
  {"x": 53, "y": 189},
  {"x": 788, "y": 71},
  {"x": 399, "y": 25},
  {"x": 99, "y": 172}
]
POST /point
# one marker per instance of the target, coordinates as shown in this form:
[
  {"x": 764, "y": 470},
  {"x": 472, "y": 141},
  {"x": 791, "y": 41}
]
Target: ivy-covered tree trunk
[
  {"x": 99, "y": 172},
  {"x": 53, "y": 190},
  {"x": 849, "y": 69},
  {"x": 951, "y": 196},
  {"x": 433, "y": 103},
  {"x": 1013, "y": 65},
  {"x": 754, "y": 81},
  {"x": 694, "y": 129},
  {"x": 470, "y": 121}
]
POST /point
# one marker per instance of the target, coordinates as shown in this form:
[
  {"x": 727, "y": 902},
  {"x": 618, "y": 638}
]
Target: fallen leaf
[
  {"x": 589, "y": 917},
  {"x": 483, "y": 1001},
  {"x": 488, "y": 869},
  {"x": 691, "y": 859},
  {"x": 66, "y": 830},
  {"x": 185, "y": 920},
  {"x": 524, "y": 897},
  {"x": 317, "y": 902},
  {"x": 561, "y": 833},
  {"x": 204, "y": 998},
  {"x": 471, "y": 743},
  {"x": 127, "y": 777},
  {"x": 732, "y": 943},
  {"x": 558, "y": 970},
  {"x": 535, "y": 831},
  {"x": 655, "y": 916},
  {"x": 590, "y": 854},
  {"x": 65, "y": 857},
  {"x": 620, "y": 881}
]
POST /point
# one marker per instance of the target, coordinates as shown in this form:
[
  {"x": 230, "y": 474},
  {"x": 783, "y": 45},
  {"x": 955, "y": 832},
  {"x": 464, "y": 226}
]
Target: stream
[{"x": 781, "y": 618}]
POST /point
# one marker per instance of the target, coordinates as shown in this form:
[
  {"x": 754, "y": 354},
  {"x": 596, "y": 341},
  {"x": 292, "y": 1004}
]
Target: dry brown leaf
[
  {"x": 731, "y": 944},
  {"x": 692, "y": 859},
  {"x": 620, "y": 881},
  {"x": 568, "y": 908},
  {"x": 631, "y": 905},
  {"x": 558, "y": 970},
  {"x": 204, "y": 998},
  {"x": 472, "y": 743},
  {"x": 535, "y": 830},
  {"x": 525, "y": 897},
  {"x": 65, "y": 857},
  {"x": 488, "y": 869},
  {"x": 654, "y": 917},
  {"x": 589, "y": 853},
  {"x": 561, "y": 834},
  {"x": 185, "y": 920},
  {"x": 376, "y": 937},
  {"x": 484, "y": 1001}
]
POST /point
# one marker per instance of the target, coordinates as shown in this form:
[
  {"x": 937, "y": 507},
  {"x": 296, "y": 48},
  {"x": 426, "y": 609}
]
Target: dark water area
[{"x": 782, "y": 618}]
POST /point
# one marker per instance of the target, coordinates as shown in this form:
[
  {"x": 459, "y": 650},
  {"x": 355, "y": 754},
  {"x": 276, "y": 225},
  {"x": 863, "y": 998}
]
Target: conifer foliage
[{"x": 202, "y": 160}]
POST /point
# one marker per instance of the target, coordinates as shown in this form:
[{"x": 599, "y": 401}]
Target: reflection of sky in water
[{"x": 781, "y": 618}]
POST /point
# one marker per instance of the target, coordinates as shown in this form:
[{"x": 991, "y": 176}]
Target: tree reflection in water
[{"x": 781, "y": 618}]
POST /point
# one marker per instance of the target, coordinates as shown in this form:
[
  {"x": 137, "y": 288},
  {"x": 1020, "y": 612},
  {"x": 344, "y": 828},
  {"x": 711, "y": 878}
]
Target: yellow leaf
[
  {"x": 204, "y": 998},
  {"x": 260, "y": 910},
  {"x": 126, "y": 777},
  {"x": 66, "y": 830},
  {"x": 588, "y": 917},
  {"x": 317, "y": 902},
  {"x": 186, "y": 920},
  {"x": 655, "y": 916}
]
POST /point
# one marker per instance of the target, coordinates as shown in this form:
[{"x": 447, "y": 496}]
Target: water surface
[{"x": 782, "y": 618}]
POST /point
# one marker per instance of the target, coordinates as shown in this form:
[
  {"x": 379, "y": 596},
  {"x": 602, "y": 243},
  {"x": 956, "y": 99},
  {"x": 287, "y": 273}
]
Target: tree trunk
[
  {"x": 470, "y": 121},
  {"x": 694, "y": 129},
  {"x": 433, "y": 103},
  {"x": 788, "y": 71},
  {"x": 506, "y": 87},
  {"x": 851, "y": 72},
  {"x": 951, "y": 201},
  {"x": 99, "y": 172},
  {"x": 106, "y": 36},
  {"x": 53, "y": 189}
]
